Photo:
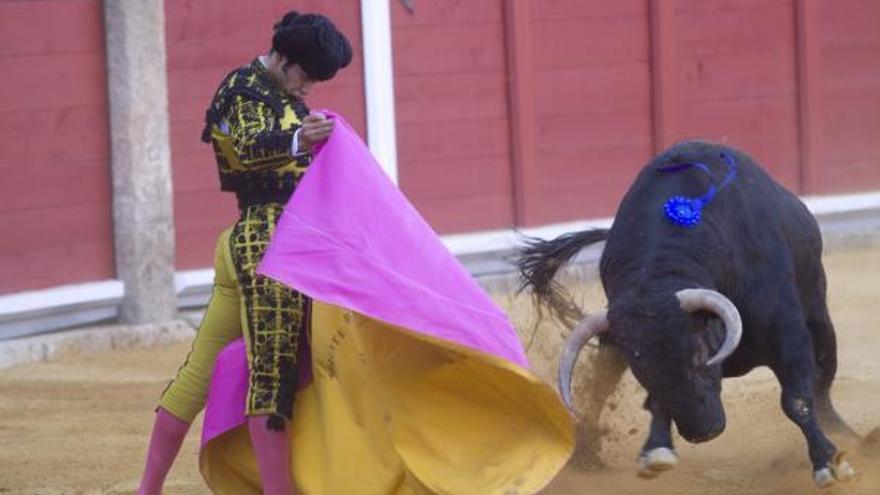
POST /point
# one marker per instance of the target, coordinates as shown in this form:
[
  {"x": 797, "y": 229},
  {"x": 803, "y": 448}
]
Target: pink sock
[
  {"x": 272, "y": 449},
  {"x": 165, "y": 441}
]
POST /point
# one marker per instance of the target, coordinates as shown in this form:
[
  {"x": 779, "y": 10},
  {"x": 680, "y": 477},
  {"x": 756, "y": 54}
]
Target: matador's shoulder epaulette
[{"x": 244, "y": 81}]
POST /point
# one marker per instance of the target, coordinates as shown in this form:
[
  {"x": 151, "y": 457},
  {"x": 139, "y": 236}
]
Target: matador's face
[
  {"x": 296, "y": 81},
  {"x": 291, "y": 76}
]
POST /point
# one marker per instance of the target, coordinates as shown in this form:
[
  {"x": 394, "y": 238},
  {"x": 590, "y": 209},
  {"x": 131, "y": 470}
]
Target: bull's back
[{"x": 752, "y": 221}]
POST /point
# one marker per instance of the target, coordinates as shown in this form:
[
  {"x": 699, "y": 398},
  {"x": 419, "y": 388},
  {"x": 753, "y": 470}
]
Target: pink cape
[{"x": 349, "y": 237}]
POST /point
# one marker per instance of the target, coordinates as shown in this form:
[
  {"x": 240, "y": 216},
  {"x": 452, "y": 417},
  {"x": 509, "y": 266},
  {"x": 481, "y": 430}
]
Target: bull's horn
[
  {"x": 588, "y": 327},
  {"x": 709, "y": 300}
]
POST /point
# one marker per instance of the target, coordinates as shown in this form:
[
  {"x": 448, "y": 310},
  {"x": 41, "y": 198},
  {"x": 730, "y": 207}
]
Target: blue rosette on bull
[
  {"x": 727, "y": 278},
  {"x": 686, "y": 212}
]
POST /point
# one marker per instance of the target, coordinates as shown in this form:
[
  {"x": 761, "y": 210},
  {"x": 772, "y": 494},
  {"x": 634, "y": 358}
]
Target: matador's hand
[{"x": 316, "y": 128}]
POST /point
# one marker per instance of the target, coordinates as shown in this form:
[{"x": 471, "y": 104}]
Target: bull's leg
[
  {"x": 657, "y": 454},
  {"x": 825, "y": 351},
  {"x": 795, "y": 369}
]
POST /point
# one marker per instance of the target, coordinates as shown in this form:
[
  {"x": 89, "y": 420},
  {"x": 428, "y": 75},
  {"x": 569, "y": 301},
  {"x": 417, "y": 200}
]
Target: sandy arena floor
[{"x": 80, "y": 424}]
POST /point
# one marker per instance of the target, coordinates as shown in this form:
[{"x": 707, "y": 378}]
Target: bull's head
[{"x": 669, "y": 349}]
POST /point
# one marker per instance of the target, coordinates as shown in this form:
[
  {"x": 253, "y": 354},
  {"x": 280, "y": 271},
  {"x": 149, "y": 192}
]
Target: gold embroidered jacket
[{"x": 251, "y": 122}]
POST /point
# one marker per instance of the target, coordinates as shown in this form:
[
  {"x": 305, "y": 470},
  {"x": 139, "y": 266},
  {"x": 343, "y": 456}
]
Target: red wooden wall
[
  {"x": 849, "y": 44},
  {"x": 594, "y": 88},
  {"x": 452, "y": 120},
  {"x": 737, "y": 79},
  {"x": 592, "y": 68},
  {"x": 203, "y": 45},
  {"x": 509, "y": 112},
  {"x": 54, "y": 146}
]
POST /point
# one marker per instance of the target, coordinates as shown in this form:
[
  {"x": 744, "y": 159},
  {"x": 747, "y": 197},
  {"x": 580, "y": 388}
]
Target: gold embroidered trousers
[{"x": 271, "y": 317}]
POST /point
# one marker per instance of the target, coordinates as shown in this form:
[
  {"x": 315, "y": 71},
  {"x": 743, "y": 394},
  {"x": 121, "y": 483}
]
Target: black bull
[{"x": 694, "y": 301}]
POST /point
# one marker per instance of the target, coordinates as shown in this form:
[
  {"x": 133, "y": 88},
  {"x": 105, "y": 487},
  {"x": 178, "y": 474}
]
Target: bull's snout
[{"x": 700, "y": 432}]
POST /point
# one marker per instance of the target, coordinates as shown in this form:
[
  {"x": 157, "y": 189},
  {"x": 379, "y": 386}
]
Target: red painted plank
[
  {"x": 432, "y": 180},
  {"x": 56, "y": 191},
  {"x": 446, "y": 12},
  {"x": 190, "y": 21},
  {"x": 592, "y": 130},
  {"x": 664, "y": 77},
  {"x": 614, "y": 166},
  {"x": 54, "y": 150},
  {"x": 27, "y": 188},
  {"x": 50, "y": 226},
  {"x": 195, "y": 249},
  {"x": 852, "y": 124},
  {"x": 809, "y": 75},
  {"x": 574, "y": 43},
  {"x": 578, "y": 203},
  {"x": 851, "y": 67},
  {"x": 596, "y": 190},
  {"x": 850, "y": 24},
  {"x": 198, "y": 84},
  {"x": 849, "y": 176},
  {"x": 737, "y": 75},
  {"x": 449, "y": 97},
  {"x": 205, "y": 209},
  {"x": 766, "y": 128},
  {"x": 194, "y": 172},
  {"x": 851, "y": 96},
  {"x": 223, "y": 55},
  {"x": 346, "y": 15},
  {"x": 185, "y": 109},
  {"x": 467, "y": 214},
  {"x": 464, "y": 139},
  {"x": 73, "y": 119},
  {"x": 521, "y": 101},
  {"x": 477, "y": 48},
  {"x": 200, "y": 216},
  {"x": 59, "y": 80},
  {"x": 593, "y": 89},
  {"x": 347, "y": 101},
  {"x": 57, "y": 265},
  {"x": 186, "y": 136},
  {"x": 587, "y": 9},
  {"x": 44, "y": 27},
  {"x": 249, "y": 22},
  {"x": 588, "y": 183},
  {"x": 723, "y": 6},
  {"x": 736, "y": 31}
]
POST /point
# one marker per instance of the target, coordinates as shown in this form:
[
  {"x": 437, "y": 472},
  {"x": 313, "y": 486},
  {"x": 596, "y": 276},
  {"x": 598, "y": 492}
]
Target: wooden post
[
  {"x": 664, "y": 76},
  {"x": 521, "y": 103},
  {"x": 809, "y": 84}
]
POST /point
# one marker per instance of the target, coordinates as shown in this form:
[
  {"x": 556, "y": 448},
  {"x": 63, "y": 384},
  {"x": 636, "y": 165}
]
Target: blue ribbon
[{"x": 686, "y": 212}]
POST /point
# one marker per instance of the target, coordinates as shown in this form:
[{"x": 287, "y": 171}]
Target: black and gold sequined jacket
[{"x": 251, "y": 122}]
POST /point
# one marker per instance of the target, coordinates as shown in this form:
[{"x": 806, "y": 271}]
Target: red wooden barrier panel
[{"x": 55, "y": 211}]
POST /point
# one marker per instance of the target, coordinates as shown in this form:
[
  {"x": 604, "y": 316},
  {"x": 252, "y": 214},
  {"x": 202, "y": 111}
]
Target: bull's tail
[{"x": 538, "y": 263}]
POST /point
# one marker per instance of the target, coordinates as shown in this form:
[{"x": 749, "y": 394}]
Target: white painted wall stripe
[
  {"x": 63, "y": 295},
  {"x": 31, "y": 312}
]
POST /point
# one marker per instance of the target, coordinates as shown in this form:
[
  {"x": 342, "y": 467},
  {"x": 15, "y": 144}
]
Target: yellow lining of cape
[{"x": 395, "y": 412}]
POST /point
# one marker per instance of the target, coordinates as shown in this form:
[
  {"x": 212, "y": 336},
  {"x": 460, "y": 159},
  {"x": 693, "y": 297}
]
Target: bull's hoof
[
  {"x": 839, "y": 470},
  {"x": 655, "y": 461}
]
